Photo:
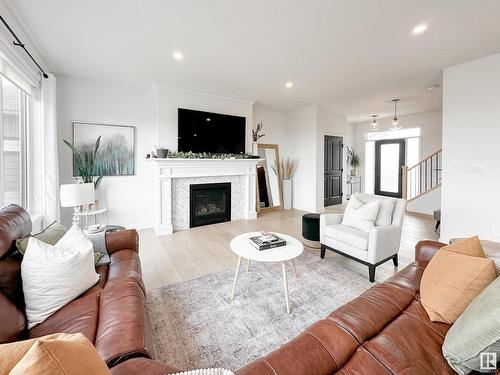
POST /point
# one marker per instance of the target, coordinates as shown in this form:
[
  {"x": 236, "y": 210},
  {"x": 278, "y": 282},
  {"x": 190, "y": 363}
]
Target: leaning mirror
[{"x": 269, "y": 192}]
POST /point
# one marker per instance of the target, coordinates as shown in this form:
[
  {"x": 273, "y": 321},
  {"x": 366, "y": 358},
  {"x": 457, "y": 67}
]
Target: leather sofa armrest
[
  {"x": 425, "y": 250},
  {"x": 121, "y": 240}
]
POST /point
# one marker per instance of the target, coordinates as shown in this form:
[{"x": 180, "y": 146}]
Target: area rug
[{"x": 196, "y": 324}]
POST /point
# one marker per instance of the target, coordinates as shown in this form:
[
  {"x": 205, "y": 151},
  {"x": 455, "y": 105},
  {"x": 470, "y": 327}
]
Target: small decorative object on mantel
[
  {"x": 161, "y": 152},
  {"x": 286, "y": 168},
  {"x": 203, "y": 155},
  {"x": 256, "y": 136},
  {"x": 352, "y": 160}
]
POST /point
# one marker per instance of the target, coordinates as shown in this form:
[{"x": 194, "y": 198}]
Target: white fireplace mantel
[{"x": 169, "y": 169}]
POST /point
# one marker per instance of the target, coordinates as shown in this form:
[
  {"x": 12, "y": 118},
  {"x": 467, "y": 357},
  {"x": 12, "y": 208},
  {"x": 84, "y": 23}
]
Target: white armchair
[{"x": 371, "y": 248}]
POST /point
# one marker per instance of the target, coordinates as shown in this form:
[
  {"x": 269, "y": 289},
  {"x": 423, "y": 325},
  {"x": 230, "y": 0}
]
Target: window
[{"x": 15, "y": 105}]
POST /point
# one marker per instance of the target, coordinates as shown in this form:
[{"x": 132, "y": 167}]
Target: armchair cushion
[
  {"x": 359, "y": 215},
  {"x": 349, "y": 235}
]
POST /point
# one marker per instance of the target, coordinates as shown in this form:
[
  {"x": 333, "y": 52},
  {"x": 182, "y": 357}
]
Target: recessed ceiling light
[
  {"x": 419, "y": 29},
  {"x": 178, "y": 55},
  {"x": 289, "y": 84}
]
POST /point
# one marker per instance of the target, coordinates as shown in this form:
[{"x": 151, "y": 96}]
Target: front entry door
[
  {"x": 389, "y": 160},
  {"x": 333, "y": 170}
]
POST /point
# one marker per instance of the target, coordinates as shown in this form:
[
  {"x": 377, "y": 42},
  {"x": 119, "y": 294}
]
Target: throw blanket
[{"x": 99, "y": 241}]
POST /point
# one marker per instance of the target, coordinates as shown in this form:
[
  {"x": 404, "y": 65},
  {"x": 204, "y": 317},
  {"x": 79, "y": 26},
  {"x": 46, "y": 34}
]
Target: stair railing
[{"x": 423, "y": 177}]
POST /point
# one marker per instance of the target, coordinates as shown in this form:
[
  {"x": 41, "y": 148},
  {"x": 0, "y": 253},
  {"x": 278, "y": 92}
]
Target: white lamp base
[{"x": 76, "y": 216}]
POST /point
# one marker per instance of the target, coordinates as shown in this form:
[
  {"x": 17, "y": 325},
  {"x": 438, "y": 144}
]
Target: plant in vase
[
  {"x": 256, "y": 136},
  {"x": 85, "y": 164},
  {"x": 352, "y": 160},
  {"x": 285, "y": 170}
]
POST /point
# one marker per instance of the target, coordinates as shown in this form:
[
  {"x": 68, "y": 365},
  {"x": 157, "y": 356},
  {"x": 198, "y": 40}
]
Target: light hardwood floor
[{"x": 189, "y": 254}]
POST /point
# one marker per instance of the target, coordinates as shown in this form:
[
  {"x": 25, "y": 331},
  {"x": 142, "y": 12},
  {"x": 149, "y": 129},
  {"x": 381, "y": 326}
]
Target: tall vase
[
  {"x": 287, "y": 194},
  {"x": 255, "y": 148}
]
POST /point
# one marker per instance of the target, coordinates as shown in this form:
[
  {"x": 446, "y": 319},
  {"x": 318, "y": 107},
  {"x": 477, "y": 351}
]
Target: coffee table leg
[
  {"x": 293, "y": 267},
  {"x": 248, "y": 265},
  {"x": 285, "y": 284},
  {"x": 236, "y": 277}
]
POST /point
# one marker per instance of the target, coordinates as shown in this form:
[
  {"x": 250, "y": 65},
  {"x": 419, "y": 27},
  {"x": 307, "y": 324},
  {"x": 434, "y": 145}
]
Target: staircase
[{"x": 423, "y": 177}]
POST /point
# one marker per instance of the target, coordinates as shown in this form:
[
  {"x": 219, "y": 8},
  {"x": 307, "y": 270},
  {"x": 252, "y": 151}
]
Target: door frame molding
[{"x": 402, "y": 156}]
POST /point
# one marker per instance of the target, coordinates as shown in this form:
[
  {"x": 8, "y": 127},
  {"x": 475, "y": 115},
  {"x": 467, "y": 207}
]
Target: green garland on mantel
[{"x": 206, "y": 155}]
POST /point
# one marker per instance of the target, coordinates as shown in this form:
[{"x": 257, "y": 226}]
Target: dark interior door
[
  {"x": 333, "y": 170},
  {"x": 389, "y": 160}
]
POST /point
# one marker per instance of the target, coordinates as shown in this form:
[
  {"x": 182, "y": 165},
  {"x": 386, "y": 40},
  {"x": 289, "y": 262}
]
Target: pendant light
[
  {"x": 395, "y": 120},
  {"x": 374, "y": 124}
]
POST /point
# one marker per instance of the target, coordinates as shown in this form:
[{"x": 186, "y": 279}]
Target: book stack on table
[{"x": 266, "y": 241}]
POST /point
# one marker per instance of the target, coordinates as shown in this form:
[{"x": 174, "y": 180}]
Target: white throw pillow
[
  {"x": 385, "y": 211},
  {"x": 55, "y": 275},
  {"x": 359, "y": 215}
]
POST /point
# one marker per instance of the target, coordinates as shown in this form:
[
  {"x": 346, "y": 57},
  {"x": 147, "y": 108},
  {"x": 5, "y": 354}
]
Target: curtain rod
[{"x": 18, "y": 43}]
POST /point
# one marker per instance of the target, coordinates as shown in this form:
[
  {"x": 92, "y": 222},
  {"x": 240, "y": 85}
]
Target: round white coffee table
[{"x": 241, "y": 246}]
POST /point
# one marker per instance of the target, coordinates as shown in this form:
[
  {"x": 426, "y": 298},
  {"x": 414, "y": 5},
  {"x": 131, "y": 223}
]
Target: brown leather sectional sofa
[
  {"x": 383, "y": 331},
  {"x": 112, "y": 314}
]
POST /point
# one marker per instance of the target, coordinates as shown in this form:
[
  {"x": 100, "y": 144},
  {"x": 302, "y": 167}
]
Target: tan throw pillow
[
  {"x": 57, "y": 354},
  {"x": 467, "y": 246},
  {"x": 452, "y": 280}
]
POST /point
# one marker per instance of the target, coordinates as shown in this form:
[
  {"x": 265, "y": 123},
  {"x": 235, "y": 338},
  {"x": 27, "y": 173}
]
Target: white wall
[
  {"x": 128, "y": 198},
  {"x": 274, "y": 125},
  {"x": 430, "y": 141},
  {"x": 301, "y": 144},
  {"x": 471, "y": 134},
  {"x": 131, "y": 200}
]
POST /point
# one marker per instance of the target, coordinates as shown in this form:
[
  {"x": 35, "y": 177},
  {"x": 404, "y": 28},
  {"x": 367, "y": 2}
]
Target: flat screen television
[{"x": 210, "y": 132}]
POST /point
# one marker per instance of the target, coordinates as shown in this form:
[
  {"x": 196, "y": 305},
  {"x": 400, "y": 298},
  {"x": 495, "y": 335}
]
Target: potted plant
[
  {"x": 286, "y": 169},
  {"x": 85, "y": 163},
  {"x": 352, "y": 160},
  {"x": 255, "y": 137}
]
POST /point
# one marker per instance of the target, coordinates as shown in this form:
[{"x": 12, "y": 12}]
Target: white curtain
[{"x": 45, "y": 173}]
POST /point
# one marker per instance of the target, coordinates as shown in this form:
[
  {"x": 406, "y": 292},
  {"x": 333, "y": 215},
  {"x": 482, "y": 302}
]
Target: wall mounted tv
[{"x": 210, "y": 132}]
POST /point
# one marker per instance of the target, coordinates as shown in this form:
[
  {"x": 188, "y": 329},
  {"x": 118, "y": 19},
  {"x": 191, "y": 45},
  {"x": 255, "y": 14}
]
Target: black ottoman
[{"x": 310, "y": 230}]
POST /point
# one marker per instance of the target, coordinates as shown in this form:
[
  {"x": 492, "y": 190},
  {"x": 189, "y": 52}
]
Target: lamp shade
[{"x": 73, "y": 195}]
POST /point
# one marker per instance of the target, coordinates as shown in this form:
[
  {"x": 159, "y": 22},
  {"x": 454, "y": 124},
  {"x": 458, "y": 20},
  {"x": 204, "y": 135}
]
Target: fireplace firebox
[{"x": 209, "y": 203}]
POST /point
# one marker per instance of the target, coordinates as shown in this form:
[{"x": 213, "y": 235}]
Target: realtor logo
[{"x": 488, "y": 361}]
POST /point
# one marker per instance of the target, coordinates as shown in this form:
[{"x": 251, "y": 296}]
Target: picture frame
[{"x": 117, "y": 151}]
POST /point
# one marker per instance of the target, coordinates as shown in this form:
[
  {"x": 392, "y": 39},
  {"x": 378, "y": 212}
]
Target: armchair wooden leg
[
  {"x": 371, "y": 272},
  {"x": 395, "y": 260},
  {"x": 323, "y": 251}
]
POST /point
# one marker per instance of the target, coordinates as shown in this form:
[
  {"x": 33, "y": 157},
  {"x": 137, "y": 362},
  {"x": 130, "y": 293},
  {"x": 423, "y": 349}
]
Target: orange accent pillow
[
  {"x": 57, "y": 354},
  {"x": 453, "y": 278},
  {"x": 467, "y": 246}
]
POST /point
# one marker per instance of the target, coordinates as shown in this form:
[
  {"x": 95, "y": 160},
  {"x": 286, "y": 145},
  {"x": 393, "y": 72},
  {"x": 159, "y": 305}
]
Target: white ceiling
[{"x": 350, "y": 55}]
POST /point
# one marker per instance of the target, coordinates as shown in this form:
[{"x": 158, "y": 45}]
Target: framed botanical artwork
[{"x": 116, "y": 153}]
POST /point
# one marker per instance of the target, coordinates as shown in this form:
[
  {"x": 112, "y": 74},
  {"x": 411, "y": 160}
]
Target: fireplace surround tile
[{"x": 180, "y": 197}]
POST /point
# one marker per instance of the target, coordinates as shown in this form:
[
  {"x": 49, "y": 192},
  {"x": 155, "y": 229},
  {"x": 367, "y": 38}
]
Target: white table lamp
[{"x": 77, "y": 195}]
